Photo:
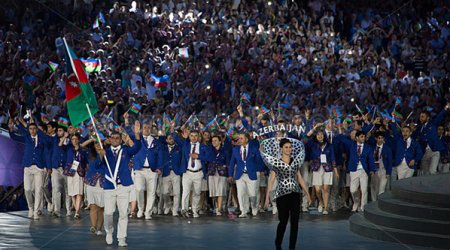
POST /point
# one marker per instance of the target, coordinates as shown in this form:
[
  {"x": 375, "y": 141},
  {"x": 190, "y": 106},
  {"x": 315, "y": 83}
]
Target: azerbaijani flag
[
  {"x": 283, "y": 106},
  {"x": 224, "y": 121},
  {"x": 101, "y": 18},
  {"x": 263, "y": 110},
  {"x": 336, "y": 112},
  {"x": 92, "y": 65},
  {"x": 79, "y": 93},
  {"x": 161, "y": 82},
  {"x": 398, "y": 102},
  {"x": 190, "y": 123},
  {"x": 428, "y": 108},
  {"x": 54, "y": 66},
  {"x": 231, "y": 132},
  {"x": 166, "y": 122},
  {"x": 89, "y": 122},
  {"x": 245, "y": 98},
  {"x": 96, "y": 24},
  {"x": 397, "y": 116},
  {"x": 213, "y": 124},
  {"x": 135, "y": 108},
  {"x": 183, "y": 52},
  {"x": 63, "y": 122}
]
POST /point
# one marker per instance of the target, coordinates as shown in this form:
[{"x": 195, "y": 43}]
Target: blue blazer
[
  {"x": 316, "y": 151},
  {"x": 170, "y": 160},
  {"x": 153, "y": 155},
  {"x": 254, "y": 162},
  {"x": 81, "y": 170},
  {"x": 124, "y": 173},
  {"x": 427, "y": 134},
  {"x": 32, "y": 155},
  {"x": 366, "y": 157},
  {"x": 414, "y": 152},
  {"x": 58, "y": 155},
  {"x": 387, "y": 158},
  {"x": 205, "y": 155}
]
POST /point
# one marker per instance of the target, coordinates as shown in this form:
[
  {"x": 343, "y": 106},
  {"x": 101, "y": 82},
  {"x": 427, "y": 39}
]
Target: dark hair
[
  {"x": 426, "y": 112},
  {"x": 92, "y": 151},
  {"x": 53, "y": 124},
  {"x": 408, "y": 127},
  {"x": 247, "y": 135},
  {"x": 194, "y": 131},
  {"x": 32, "y": 124},
  {"x": 62, "y": 127},
  {"x": 216, "y": 136},
  {"x": 378, "y": 134},
  {"x": 358, "y": 133},
  {"x": 284, "y": 141}
]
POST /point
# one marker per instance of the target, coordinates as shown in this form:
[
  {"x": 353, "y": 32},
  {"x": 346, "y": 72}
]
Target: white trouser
[
  {"x": 194, "y": 181},
  {"x": 404, "y": 171},
  {"x": 172, "y": 182},
  {"x": 59, "y": 186},
  {"x": 443, "y": 167},
  {"x": 307, "y": 177},
  {"x": 378, "y": 182},
  {"x": 358, "y": 179},
  {"x": 258, "y": 193},
  {"x": 145, "y": 179},
  {"x": 246, "y": 189},
  {"x": 334, "y": 193},
  {"x": 117, "y": 197},
  {"x": 429, "y": 162},
  {"x": 33, "y": 179}
]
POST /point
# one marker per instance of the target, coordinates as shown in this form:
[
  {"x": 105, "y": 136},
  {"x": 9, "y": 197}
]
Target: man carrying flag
[{"x": 80, "y": 96}]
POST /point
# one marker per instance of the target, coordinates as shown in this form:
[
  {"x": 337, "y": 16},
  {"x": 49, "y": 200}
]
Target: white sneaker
[
  {"x": 167, "y": 211},
  {"x": 69, "y": 213},
  {"x": 36, "y": 216},
  {"x": 325, "y": 212},
  {"x": 196, "y": 215},
  {"x": 320, "y": 209},
  {"x": 218, "y": 213},
  {"x": 355, "y": 207},
  {"x": 140, "y": 214},
  {"x": 175, "y": 214},
  {"x": 50, "y": 207},
  {"x": 99, "y": 233},
  {"x": 109, "y": 238},
  {"x": 274, "y": 210},
  {"x": 243, "y": 215},
  {"x": 148, "y": 217},
  {"x": 122, "y": 242},
  {"x": 305, "y": 210},
  {"x": 30, "y": 213},
  {"x": 255, "y": 212}
]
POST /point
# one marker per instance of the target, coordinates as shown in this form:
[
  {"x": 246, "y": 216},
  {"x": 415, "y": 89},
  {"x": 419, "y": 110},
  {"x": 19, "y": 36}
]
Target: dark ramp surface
[{"x": 167, "y": 232}]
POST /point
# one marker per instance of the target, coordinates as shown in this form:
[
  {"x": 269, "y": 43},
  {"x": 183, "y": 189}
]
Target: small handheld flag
[
  {"x": 245, "y": 98},
  {"x": 183, "y": 52},
  {"x": 54, "y": 66},
  {"x": 63, "y": 122},
  {"x": 135, "y": 108}
]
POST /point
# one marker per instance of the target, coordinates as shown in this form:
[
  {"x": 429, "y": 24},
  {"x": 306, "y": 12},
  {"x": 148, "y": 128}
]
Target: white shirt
[
  {"x": 359, "y": 162},
  {"x": 197, "y": 163},
  {"x": 244, "y": 157},
  {"x": 379, "y": 153},
  {"x": 35, "y": 140},
  {"x": 149, "y": 140}
]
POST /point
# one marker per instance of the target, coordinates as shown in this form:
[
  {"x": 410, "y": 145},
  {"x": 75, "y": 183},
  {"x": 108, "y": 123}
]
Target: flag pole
[{"x": 101, "y": 146}]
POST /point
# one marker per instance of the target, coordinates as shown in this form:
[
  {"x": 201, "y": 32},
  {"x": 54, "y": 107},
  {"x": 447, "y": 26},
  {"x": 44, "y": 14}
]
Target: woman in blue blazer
[{"x": 322, "y": 165}]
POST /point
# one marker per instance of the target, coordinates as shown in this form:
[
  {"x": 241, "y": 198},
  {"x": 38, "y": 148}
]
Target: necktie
[
  {"x": 244, "y": 154},
  {"x": 192, "y": 160},
  {"x": 359, "y": 150},
  {"x": 329, "y": 137},
  {"x": 115, "y": 152},
  {"x": 34, "y": 141},
  {"x": 377, "y": 154}
]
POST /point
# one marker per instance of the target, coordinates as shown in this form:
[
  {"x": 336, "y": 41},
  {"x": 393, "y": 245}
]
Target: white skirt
[
  {"x": 217, "y": 185},
  {"x": 95, "y": 195},
  {"x": 320, "y": 177},
  {"x": 75, "y": 185},
  {"x": 204, "y": 185}
]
